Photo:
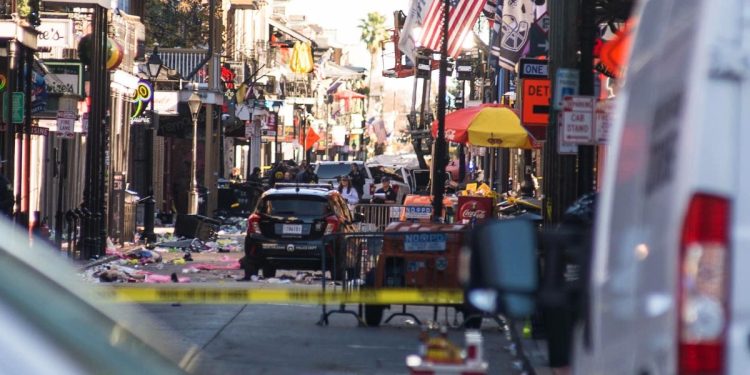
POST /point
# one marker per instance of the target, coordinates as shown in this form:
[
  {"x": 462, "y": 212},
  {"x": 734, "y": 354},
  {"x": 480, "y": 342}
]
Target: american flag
[{"x": 463, "y": 16}]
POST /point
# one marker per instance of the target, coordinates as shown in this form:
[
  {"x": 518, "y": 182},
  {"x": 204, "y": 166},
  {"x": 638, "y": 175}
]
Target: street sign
[
  {"x": 603, "y": 120},
  {"x": 535, "y": 97},
  {"x": 533, "y": 68},
  {"x": 578, "y": 119},
  {"x": 18, "y": 110},
  {"x": 66, "y": 124},
  {"x": 566, "y": 84},
  {"x": 564, "y": 148},
  {"x": 425, "y": 242}
]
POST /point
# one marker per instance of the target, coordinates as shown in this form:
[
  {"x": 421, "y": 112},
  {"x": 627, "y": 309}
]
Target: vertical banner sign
[
  {"x": 578, "y": 119},
  {"x": 144, "y": 94},
  {"x": 66, "y": 124}
]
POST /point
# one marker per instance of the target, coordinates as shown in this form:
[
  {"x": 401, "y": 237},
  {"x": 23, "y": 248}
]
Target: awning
[
  {"x": 286, "y": 30},
  {"x": 332, "y": 70}
]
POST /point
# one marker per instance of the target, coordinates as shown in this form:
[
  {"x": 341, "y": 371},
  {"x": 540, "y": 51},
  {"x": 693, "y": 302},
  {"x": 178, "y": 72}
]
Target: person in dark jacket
[{"x": 358, "y": 180}]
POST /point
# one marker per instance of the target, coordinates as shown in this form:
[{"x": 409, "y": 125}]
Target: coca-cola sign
[{"x": 474, "y": 208}]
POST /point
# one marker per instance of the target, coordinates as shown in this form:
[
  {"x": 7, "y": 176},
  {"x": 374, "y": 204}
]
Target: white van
[{"x": 668, "y": 271}]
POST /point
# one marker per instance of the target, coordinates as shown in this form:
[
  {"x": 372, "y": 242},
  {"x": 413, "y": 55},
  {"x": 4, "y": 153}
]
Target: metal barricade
[
  {"x": 406, "y": 256},
  {"x": 377, "y": 216}
]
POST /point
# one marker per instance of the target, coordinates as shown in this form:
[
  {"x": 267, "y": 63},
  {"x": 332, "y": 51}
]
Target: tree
[
  {"x": 177, "y": 23},
  {"x": 374, "y": 34}
]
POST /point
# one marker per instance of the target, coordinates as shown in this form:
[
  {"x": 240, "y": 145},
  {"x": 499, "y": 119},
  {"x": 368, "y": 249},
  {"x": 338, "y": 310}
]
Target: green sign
[{"x": 17, "y": 107}]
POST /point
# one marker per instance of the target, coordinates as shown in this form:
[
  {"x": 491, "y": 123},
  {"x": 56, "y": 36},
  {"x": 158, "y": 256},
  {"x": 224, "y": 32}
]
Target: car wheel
[{"x": 269, "y": 271}]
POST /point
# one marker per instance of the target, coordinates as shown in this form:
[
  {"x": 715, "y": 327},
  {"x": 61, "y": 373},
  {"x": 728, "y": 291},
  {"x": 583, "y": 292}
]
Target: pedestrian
[
  {"x": 358, "y": 179},
  {"x": 386, "y": 194},
  {"x": 6, "y": 193},
  {"x": 254, "y": 178},
  {"x": 302, "y": 176},
  {"x": 235, "y": 176},
  {"x": 312, "y": 176},
  {"x": 348, "y": 192},
  {"x": 288, "y": 177}
]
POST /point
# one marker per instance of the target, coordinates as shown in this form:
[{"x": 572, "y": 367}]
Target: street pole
[
  {"x": 148, "y": 208},
  {"x": 438, "y": 164},
  {"x": 559, "y": 170},
  {"x": 193, "y": 209},
  {"x": 586, "y": 153}
]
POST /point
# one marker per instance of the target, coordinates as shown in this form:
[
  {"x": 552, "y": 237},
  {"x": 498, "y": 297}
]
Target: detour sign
[{"x": 535, "y": 98}]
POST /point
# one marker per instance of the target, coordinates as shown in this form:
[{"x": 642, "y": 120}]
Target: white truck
[{"x": 667, "y": 277}]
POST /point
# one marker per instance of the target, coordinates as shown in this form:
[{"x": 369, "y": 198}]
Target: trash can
[{"x": 196, "y": 226}]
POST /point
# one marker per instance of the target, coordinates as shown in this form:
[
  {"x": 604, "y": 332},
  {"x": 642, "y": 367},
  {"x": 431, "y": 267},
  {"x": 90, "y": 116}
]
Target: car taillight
[
  {"x": 703, "y": 288},
  {"x": 253, "y": 224},
  {"x": 332, "y": 224}
]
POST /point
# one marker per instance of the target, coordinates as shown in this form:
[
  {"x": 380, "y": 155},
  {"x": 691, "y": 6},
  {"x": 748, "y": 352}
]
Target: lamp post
[
  {"x": 153, "y": 67},
  {"x": 275, "y": 108},
  {"x": 194, "y": 102}
]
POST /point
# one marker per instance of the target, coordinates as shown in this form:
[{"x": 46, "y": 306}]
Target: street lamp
[
  {"x": 153, "y": 67},
  {"x": 275, "y": 108},
  {"x": 194, "y": 102}
]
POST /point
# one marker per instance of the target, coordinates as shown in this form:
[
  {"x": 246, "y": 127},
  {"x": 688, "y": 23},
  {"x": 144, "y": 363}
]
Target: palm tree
[{"x": 374, "y": 34}]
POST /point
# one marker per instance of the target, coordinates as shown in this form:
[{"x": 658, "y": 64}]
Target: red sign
[
  {"x": 535, "y": 99},
  {"x": 474, "y": 207}
]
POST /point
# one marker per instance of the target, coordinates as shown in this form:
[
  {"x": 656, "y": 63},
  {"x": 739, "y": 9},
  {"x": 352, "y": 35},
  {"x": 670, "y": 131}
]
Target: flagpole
[{"x": 439, "y": 161}]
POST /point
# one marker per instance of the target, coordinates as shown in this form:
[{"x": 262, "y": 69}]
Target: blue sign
[
  {"x": 418, "y": 212},
  {"x": 425, "y": 242}
]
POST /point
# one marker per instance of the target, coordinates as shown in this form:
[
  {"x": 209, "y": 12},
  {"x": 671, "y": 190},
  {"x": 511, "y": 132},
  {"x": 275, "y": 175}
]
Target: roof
[{"x": 286, "y": 30}]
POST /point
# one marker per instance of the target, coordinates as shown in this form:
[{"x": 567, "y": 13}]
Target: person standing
[
  {"x": 357, "y": 179},
  {"x": 386, "y": 194},
  {"x": 348, "y": 192}
]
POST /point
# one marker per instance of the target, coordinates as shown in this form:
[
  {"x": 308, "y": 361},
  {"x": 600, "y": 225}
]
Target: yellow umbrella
[{"x": 498, "y": 127}]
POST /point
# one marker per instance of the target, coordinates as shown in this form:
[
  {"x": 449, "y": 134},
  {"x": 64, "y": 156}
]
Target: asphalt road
[{"x": 285, "y": 339}]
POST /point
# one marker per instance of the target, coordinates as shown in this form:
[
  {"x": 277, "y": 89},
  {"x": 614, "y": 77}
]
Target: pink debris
[
  {"x": 158, "y": 279},
  {"x": 208, "y": 267}
]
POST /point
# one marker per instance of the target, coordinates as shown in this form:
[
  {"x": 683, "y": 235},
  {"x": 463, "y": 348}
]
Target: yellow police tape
[{"x": 233, "y": 295}]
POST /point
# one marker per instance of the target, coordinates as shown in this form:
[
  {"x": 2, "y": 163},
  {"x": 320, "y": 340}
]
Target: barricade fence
[{"x": 377, "y": 216}]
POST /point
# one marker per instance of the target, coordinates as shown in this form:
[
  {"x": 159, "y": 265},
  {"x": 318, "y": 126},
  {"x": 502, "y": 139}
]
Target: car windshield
[
  {"x": 294, "y": 205},
  {"x": 333, "y": 170},
  {"x": 379, "y": 171}
]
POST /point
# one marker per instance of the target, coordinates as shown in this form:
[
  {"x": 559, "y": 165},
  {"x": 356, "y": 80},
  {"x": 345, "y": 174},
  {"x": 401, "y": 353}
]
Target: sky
[{"x": 344, "y": 15}]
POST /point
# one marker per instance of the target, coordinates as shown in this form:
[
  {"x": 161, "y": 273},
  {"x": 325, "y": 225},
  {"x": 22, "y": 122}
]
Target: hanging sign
[{"x": 144, "y": 94}]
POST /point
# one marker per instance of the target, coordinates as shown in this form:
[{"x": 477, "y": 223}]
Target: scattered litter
[
  {"x": 179, "y": 261},
  {"x": 144, "y": 256},
  {"x": 187, "y": 258},
  {"x": 190, "y": 270}
]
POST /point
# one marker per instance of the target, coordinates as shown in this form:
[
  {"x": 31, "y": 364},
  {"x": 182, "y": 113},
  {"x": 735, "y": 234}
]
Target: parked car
[
  {"x": 287, "y": 230},
  {"x": 665, "y": 287},
  {"x": 329, "y": 172},
  {"x": 401, "y": 179}
]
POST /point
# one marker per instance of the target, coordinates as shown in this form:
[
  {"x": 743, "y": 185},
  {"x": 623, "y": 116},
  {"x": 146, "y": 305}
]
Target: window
[
  {"x": 293, "y": 205},
  {"x": 328, "y": 171}
]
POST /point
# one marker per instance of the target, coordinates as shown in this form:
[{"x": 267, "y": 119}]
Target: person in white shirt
[{"x": 348, "y": 192}]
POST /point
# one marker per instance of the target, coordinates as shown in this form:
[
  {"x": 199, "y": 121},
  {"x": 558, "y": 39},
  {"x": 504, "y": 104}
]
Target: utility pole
[
  {"x": 438, "y": 164},
  {"x": 586, "y": 153},
  {"x": 214, "y": 69},
  {"x": 559, "y": 170}
]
